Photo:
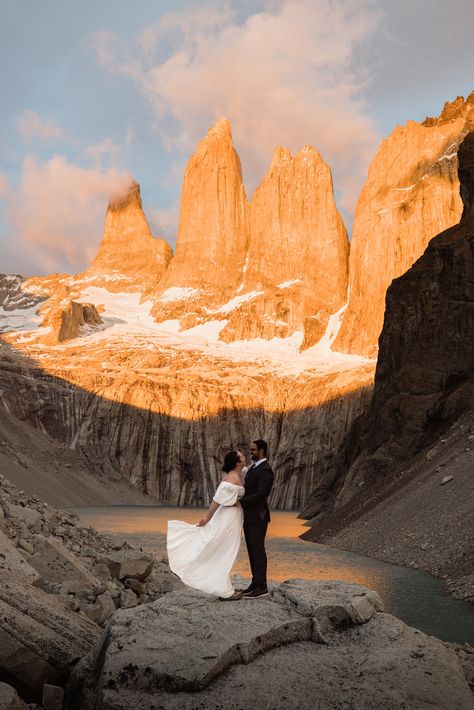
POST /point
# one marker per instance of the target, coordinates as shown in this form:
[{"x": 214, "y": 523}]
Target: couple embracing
[{"x": 203, "y": 555}]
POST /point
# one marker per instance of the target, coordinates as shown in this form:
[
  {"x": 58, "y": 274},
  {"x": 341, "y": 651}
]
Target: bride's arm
[{"x": 212, "y": 509}]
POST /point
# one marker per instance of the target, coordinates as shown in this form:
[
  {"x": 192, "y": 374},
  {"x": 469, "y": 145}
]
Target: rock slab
[
  {"x": 58, "y": 565},
  {"x": 188, "y": 650},
  {"x": 14, "y": 566},
  {"x": 40, "y": 640}
]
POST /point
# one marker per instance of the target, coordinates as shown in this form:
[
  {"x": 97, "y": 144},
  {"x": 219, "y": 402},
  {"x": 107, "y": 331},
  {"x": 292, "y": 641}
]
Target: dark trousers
[{"x": 255, "y": 541}]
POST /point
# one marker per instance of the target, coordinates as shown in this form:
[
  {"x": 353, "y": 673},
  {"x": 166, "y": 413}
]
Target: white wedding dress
[{"x": 203, "y": 556}]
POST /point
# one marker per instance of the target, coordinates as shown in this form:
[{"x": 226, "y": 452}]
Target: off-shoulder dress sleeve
[{"x": 226, "y": 493}]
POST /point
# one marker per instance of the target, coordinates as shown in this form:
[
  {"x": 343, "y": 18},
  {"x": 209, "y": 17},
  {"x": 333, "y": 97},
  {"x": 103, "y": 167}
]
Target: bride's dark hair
[{"x": 230, "y": 461}]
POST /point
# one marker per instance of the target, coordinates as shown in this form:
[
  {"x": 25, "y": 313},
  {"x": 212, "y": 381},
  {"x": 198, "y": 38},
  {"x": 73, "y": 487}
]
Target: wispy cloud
[
  {"x": 287, "y": 75},
  {"x": 107, "y": 152},
  {"x": 31, "y": 125},
  {"x": 57, "y": 210}
]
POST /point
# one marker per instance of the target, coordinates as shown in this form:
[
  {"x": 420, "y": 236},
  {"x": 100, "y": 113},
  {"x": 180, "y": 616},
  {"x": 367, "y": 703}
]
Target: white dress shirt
[{"x": 254, "y": 464}]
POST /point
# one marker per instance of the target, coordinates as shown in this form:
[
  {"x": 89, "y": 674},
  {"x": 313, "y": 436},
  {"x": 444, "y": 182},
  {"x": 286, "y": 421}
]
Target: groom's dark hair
[
  {"x": 230, "y": 461},
  {"x": 261, "y": 445}
]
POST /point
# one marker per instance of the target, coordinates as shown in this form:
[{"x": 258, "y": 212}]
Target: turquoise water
[{"x": 413, "y": 596}]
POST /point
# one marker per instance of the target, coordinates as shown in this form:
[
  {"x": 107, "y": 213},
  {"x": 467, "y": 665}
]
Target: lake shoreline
[
  {"x": 461, "y": 588},
  {"x": 408, "y": 593}
]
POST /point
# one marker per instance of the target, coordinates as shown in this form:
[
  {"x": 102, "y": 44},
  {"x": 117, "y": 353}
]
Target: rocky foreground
[
  {"x": 60, "y": 584},
  {"x": 86, "y": 624}
]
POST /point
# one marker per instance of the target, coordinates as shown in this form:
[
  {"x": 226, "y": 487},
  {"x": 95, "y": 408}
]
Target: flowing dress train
[{"x": 203, "y": 556}]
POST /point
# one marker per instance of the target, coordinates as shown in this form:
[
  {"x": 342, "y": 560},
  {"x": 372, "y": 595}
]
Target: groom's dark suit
[{"x": 258, "y": 484}]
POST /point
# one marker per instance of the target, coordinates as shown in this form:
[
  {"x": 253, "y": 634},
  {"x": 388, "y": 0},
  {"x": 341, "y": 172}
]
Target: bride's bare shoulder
[{"x": 233, "y": 478}]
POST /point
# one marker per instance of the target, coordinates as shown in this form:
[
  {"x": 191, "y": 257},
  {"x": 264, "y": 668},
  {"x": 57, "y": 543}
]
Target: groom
[{"x": 258, "y": 484}]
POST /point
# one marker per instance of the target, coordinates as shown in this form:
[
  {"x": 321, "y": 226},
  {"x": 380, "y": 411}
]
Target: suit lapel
[{"x": 248, "y": 474}]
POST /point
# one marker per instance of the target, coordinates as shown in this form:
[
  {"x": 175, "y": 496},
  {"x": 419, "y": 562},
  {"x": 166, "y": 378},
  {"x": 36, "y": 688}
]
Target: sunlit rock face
[
  {"x": 297, "y": 259},
  {"x": 213, "y": 231},
  {"x": 261, "y": 269},
  {"x": 68, "y": 320},
  {"x": 411, "y": 194},
  {"x": 129, "y": 257}
]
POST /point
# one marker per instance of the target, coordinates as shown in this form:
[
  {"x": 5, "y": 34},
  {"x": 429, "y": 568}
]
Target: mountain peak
[
  {"x": 130, "y": 194},
  {"x": 310, "y": 150},
  {"x": 281, "y": 156},
  {"x": 128, "y": 256},
  {"x": 221, "y": 128}
]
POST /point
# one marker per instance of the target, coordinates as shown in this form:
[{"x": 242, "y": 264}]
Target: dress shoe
[
  {"x": 247, "y": 590},
  {"x": 256, "y": 593},
  {"x": 235, "y": 597}
]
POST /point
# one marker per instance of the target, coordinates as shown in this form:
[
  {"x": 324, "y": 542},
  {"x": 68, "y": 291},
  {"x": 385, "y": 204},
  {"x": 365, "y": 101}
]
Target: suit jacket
[{"x": 258, "y": 484}]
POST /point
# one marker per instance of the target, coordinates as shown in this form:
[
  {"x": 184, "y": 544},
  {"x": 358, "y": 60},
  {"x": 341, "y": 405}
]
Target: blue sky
[{"x": 95, "y": 91}]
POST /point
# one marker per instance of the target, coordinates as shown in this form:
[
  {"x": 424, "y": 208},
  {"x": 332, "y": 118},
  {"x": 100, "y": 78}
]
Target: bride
[{"x": 202, "y": 555}]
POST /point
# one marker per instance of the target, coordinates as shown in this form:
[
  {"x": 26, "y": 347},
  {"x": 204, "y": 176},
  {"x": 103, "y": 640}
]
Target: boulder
[
  {"x": 188, "y": 651},
  {"x": 66, "y": 319},
  {"x": 30, "y": 516},
  {"x": 185, "y": 639},
  {"x": 101, "y": 572},
  {"x": 53, "y": 697},
  {"x": 101, "y": 610},
  {"x": 331, "y": 605},
  {"x": 162, "y": 580},
  {"x": 9, "y": 698},
  {"x": 128, "y": 599},
  {"x": 128, "y": 563},
  {"x": 59, "y": 566},
  {"x": 14, "y": 566},
  {"x": 40, "y": 640}
]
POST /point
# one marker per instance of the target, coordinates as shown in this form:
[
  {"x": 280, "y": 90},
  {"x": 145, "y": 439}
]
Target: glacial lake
[{"x": 417, "y": 598}]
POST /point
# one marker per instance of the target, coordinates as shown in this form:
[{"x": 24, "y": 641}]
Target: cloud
[
  {"x": 3, "y": 185},
  {"x": 108, "y": 153},
  {"x": 288, "y": 75},
  {"x": 30, "y": 125},
  {"x": 57, "y": 211}
]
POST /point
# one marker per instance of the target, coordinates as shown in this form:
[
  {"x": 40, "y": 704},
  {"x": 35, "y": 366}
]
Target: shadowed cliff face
[
  {"x": 164, "y": 421},
  {"x": 13, "y": 296},
  {"x": 425, "y": 372},
  {"x": 411, "y": 194}
]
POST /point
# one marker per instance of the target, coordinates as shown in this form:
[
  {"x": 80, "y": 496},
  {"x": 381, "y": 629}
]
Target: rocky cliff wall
[
  {"x": 68, "y": 320},
  {"x": 297, "y": 258},
  {"x": 14, "y": 295},
  {"x": 163, "y": 420},
  {"x": 213, "y": 230},
  {"x": 264, "y": 267},
  {"x": 425, "y": 371},
  {"x": 129, "y": 258},
  {"x": 411, "y": 194}
]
